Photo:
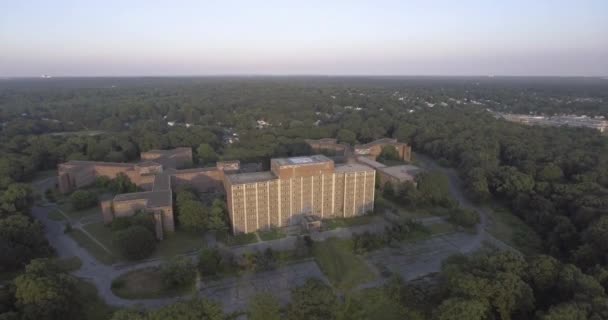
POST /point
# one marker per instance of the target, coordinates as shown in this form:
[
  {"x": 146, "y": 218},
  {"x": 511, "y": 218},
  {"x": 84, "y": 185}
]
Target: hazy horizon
[{"x": 341, "y": 38}]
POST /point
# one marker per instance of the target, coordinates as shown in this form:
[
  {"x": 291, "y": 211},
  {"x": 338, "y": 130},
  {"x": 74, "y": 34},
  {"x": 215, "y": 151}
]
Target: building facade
[{"x": 295, "y": 188}]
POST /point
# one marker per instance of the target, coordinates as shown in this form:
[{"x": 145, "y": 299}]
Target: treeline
[{"x": 555, "y": 179}]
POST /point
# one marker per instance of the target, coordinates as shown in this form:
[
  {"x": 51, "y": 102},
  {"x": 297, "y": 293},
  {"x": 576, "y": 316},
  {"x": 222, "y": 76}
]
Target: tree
[
  {"x": 389, "y": 153},
  {"x": 17, "y": 197},
  {"x": 135, "y": 242},
  {"x": 192, "y": 215},
  {"x": 458, "y": 309},
  {"x": 44, "y": 292},
  {"x": 312, "y": 301},
  {"x": 347, "y": 136},
  {"x": 466, "y": 218},
  {"x": 209, "y": 262},
  {"x": 206, "y": 154},
  {"x": 264, "y": 306},
  {"x": 126, "y": 314},
  {"x": 568, "y": 311},
  {"x": 217, "y": 217},
  {"x": 21, "y": 240},
  {"x": 83, "y": 199},
  {"x": 191, "y": 310},
  {"x": 177, "y": 272}
]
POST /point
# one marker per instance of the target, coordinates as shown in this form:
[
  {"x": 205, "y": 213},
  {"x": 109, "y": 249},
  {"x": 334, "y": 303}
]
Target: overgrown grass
[
  {"x": 331, "y": 224},
  {"x": 342, "y": 267},
  {"x": 272, "y": 234},
  {"x": 147, "y": 283},
  {"x": 69, "y": 264},
  {"x": 512, "y": 230},
  {"x": 93, "y": 306},
  {"x": 236, "y": 240},
  {"x": 93, "y": 248},
  {"x": 55, "y": 215},
  {"x": 441, "y": 228},
  {"x": 405, "y": 212}
]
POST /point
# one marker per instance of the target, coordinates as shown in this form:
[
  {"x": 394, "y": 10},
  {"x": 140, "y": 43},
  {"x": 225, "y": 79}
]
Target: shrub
[
  {"x": 83, "y": 199},
  {"x": 177, "y": 272},
  {"x": 466, "y": 218}
]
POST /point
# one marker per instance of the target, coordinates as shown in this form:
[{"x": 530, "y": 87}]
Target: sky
[{"x": 314, "y": 37}]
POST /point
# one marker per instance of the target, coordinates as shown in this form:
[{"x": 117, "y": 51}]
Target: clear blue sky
[{"x": 417, "y": 37}]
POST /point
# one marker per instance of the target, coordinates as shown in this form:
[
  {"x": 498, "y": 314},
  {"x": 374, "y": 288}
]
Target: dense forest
[{"x": 554, "y": 179}]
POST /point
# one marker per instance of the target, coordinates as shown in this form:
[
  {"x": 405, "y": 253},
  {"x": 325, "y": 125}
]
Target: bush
[
  {"x": 177, "y": 272},
  {"x": 83, "y": 199},
  {"x": 209, "y": 262},
  {"x": 466, "y": 218},
  {"x": 135, "y": 242}
]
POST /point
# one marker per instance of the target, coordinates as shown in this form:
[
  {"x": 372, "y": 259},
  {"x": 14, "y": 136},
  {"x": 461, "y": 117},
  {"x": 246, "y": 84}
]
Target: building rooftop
[
  {"x": 404, "y": 172},
  {"x": 250, "y": 177},
  {"x": 352, "y": 167},
  {"x": 377, "y": 142},
  {"x": 316, "y": 159},
  {"x": 153, "y": 199},
  {"x": 370, "y": 162}
]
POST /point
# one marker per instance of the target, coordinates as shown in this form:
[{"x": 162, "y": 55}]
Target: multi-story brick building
[
  {"x": 298, "y": 187},
  {"x": 294, "y": 188},
  {"x": 157, "y": 175}
]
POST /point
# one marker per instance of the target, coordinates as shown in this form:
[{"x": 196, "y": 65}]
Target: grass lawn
[
  {"x": 69, "y": 264},
  {"x": 331, "y": 224},
  {"x": 147, "y": 283},
  {"x": 178, "y": 243},
  {"x": 239, "y": 239},
  {"x": 93, "y": 248},
  {"x": 93, "y": 306},
  {"x": 55, "y": 215},
  {"x": 512, "y": 230},
  {"x": 271, "y": 234},
  {"x": 76, "y": 215},
  {"x": 173, "y": 244},
  {"x": 342, "y": 267}
]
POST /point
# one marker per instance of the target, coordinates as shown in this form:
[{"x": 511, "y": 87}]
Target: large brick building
[
  {"x": 295, "y": 188},
  {"x": 157, "y": 175}
]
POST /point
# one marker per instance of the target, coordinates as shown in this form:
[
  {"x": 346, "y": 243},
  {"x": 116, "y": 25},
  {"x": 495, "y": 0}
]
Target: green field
[
  {"x": 342, "y": 267},
  {"x": 93, "y": 248},
  {"x": 146, "y": 283},
  {"x": 512, "y": 230}
]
